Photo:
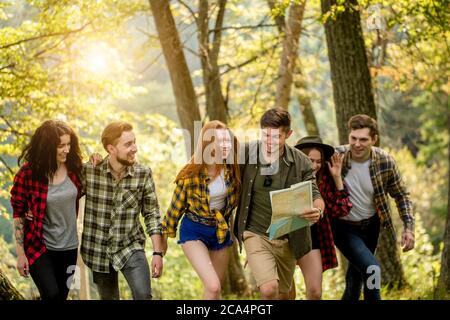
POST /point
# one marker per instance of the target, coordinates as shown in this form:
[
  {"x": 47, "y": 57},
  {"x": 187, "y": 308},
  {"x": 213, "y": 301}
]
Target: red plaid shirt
[
  {"x": 28, "y": 193},
  {"x": 337, "y": 204}
]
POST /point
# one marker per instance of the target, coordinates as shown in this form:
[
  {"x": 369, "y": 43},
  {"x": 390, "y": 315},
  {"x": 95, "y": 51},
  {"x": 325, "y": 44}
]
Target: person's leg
[
  {"x": 107, "y": 284},
  {"x": 137, "y": 273},
  {"x": 372, "y": 290},
  {"x": 65, "y": 267},
  {"x": 262, "y": 263},
  {"x": 219, "y": 259},
  {"x": 42, "y": 272},
  {"x": 353, "y": 283},
  {"x": 311, "y": 266},
  {"x": 351, "y": 241},
  {"x": 285, "y": 266},
  {"x": 198, "y": 255}
]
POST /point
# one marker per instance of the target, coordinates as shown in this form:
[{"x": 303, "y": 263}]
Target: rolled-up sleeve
[
  {"x": 18, "y": 198},
  {"x": 151, "y": 211}
]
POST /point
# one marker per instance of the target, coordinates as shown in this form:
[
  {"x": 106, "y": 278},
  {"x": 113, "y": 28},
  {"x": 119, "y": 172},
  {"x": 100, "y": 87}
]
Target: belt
[
  {"x": 363, "y": 222},
  {"x": 196, "y": 218}
]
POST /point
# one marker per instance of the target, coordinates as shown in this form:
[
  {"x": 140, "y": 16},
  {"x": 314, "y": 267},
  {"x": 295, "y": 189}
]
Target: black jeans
[
  {"x": 137, "y": 273},
  {"x": 358, "y": 244},
  {"x": 52, "y": 271}
]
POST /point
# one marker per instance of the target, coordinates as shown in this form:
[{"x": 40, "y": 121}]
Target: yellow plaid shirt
[{"x": 192, "y": 195}]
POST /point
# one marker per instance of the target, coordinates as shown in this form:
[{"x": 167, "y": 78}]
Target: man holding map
[{"x": 272, "y": 165}]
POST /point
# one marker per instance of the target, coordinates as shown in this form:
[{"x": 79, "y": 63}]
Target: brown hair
[
  {"x": 40, "y": 152},
  {"x": 197, "y": 163},
  {"x": 361, "y": 121},
  {"x": 322, "y": 169},
  {"x": 113, "y": 131},
  {"x": 276, "y": 118}
]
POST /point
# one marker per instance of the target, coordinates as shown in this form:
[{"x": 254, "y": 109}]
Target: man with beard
[{"x": 117, "y": 191}]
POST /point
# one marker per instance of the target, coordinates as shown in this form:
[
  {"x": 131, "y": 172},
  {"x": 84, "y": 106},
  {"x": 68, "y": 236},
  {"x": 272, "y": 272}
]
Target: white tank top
[{"x": 217, "y": 192}]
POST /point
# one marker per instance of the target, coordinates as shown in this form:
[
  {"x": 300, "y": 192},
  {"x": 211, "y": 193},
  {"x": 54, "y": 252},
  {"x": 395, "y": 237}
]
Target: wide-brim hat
[{"x": 315, "y": 141}]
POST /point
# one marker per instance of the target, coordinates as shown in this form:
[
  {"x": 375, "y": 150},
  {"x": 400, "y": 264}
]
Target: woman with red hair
[{"x": 206, "y": 193}]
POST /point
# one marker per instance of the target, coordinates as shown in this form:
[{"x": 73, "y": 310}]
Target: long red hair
[{"x": 197, "y": 162}]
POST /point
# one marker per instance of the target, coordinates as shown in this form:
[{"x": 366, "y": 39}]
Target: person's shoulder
[{"x": 381, "y": 153}]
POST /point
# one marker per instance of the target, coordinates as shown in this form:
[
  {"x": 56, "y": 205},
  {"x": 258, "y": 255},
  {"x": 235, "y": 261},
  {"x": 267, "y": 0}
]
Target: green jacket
[{"x": 300, "y": 169}]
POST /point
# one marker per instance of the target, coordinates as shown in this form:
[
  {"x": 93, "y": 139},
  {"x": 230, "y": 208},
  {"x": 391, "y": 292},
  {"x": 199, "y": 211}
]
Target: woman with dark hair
[
  {"x": 206, "y": 193},
  {"x": 327, "y": 167},
  {"x": 44, "y": 198}
]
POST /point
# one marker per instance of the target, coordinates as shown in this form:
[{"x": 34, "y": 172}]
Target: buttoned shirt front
[{"x": 112, "y": 229}]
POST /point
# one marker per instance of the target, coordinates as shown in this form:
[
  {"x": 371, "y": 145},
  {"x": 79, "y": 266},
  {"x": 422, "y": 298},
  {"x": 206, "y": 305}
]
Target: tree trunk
[
  {"x": 444, "y": 278},
  {"x": 352, "y": 92},
  {"x": 352, "y": 88},
  {"x": 209, "y": 55},
  {"x": 292, "y": 31},
  {"x": 182, "y": 86},
  {"x": 7, "y": 291},
  {"x": 304, "y": 101},
  {"x": 301, "y": 88}
]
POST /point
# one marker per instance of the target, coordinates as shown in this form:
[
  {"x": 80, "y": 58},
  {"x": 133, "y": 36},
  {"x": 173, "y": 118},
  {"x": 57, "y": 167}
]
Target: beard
[{"x": 125, "y": 162}]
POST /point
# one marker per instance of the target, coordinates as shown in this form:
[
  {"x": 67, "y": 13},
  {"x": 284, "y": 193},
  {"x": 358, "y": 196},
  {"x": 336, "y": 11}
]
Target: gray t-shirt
[
  {"x": 60, "y": 219},
  {"x": 360, "y": 187}
]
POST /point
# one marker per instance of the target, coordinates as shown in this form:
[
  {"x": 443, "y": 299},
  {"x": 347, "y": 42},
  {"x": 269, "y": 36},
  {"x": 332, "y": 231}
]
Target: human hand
[
  {"x": 407, "y": 240},
  {"x": 29, "y": 215},
  {"x": 95, "y": 159},
  {"x": 22, "y": 265},
  {"x": 157, "y": 266},
  {"x": 312, "y": 215},
  {"x": 335, "y": 164}
]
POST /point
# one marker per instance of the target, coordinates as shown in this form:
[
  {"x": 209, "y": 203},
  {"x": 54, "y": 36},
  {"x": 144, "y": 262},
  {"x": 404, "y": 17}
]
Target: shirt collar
[{"x": 107, "y": 169}]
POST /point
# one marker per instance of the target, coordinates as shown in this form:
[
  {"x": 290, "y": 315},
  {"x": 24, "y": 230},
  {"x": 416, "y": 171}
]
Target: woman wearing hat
[{"x": 327, "y": 167}]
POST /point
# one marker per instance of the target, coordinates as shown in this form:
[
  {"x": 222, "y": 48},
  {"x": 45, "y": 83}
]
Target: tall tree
[
  {"x": 292, "y": 30},
  {"x": 182, "y": 85},
  {"x": 352, "y": 88},
  {"x": 291, "y": 71},
  {"x": 209, "y": 57},
  {"x": 352, "y": 92},
  {"x": 444, "y": 278}
]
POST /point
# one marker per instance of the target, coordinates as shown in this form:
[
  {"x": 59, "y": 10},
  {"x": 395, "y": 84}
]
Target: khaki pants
[{"x": 270, "y": 260}]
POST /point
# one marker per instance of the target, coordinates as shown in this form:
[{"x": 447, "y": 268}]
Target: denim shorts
[{"x": 191, "y": 230}]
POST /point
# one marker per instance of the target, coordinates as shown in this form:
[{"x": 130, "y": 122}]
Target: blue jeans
[
  {"x": 137, "y": 273},
  {"x": 358, "y": 244}
]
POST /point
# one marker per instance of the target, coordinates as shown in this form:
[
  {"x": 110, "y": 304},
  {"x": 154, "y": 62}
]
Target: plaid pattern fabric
[
  {"x": 30, "y": 194},
  {"x": 386, "y": 179},
  {"x": 192, "y": 195},
  {"x": 337, "y": 204},
  {"x": 112, "y": 229}
]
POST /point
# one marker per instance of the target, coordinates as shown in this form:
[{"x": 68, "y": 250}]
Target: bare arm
[{"x": 22, "y": 261}]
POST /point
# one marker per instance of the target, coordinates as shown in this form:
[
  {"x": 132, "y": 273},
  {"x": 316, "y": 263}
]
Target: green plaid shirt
[
  {"x": 386, "y": 179},
  {"x": 112, "y": 229}
]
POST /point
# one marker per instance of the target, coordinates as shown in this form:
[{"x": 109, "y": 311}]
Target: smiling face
[
  {"x": 63, "y": 149},
  {"x": 124, "y": 151},
  {"x": 273, "y": 141},
  {"x": 316, "y": 158},
  {"x": 223, "y": 143},
  {"x": 361, "y": 143}
]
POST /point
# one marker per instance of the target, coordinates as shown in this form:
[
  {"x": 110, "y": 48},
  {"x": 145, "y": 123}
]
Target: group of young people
[{"x": 222, "y": 181}]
